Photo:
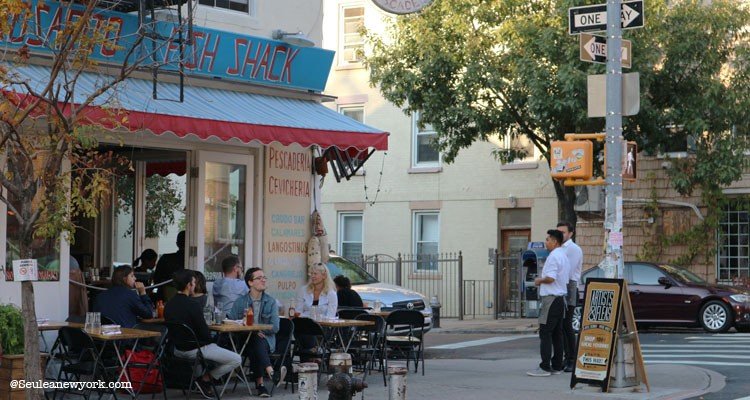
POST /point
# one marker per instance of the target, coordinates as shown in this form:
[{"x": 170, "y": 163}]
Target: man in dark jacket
[
  {"x": 347, "y": 297},
  {"x": 120, "y": 303},
  {"x": 182, "y": 309},
  {"x": 167, "y": 265}
]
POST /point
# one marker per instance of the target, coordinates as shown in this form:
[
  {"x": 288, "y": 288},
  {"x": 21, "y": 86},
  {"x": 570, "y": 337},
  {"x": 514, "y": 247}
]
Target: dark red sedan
[{"x": 664, "y": 294}]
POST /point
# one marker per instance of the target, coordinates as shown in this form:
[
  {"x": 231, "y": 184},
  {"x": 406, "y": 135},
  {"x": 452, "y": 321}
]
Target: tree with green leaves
[
  {"x": 52, "y": 169},
  {"x": 477, "y": 69}
]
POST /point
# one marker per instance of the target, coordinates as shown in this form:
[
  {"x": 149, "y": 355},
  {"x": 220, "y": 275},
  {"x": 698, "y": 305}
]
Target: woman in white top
[{"x": 320, "y": 291}]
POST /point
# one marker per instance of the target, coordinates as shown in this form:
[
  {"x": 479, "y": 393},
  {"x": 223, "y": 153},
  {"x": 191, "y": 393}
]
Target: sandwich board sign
[
  {"x": 593, "y": 18},
  {"x": 606, "y": 311},
  {"x": 594, "y": 49}
]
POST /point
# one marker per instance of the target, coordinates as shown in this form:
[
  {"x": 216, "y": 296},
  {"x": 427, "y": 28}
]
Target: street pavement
[{"x": 455, "y": 377}]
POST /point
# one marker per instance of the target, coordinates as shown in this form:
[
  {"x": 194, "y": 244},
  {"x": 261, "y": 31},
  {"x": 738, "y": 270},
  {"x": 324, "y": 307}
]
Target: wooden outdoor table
[
  {"x": 56, "y": 325},
  {"x": 153, "y": 320},
  {"x": 229, "y": 329},
  {"x": 383, "y": 314},
  {"x": 337, "y": 326},
  {"x": 126, "y": 334}
]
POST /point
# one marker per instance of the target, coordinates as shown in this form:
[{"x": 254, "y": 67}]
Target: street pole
[{"x": 613, "y": 179}]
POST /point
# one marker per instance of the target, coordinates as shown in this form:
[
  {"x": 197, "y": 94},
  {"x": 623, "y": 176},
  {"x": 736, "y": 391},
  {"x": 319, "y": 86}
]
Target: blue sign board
[{"x": 210, "y": 53}]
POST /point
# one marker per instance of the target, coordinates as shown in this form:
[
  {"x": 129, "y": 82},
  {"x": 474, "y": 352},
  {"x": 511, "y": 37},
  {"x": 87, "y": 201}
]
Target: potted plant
[{"x": 11, "y": 350}]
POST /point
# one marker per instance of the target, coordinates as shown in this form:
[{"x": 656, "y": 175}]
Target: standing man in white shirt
[
  {"x": 575, "y": 259},
  {"x": 552, "y": 290}
]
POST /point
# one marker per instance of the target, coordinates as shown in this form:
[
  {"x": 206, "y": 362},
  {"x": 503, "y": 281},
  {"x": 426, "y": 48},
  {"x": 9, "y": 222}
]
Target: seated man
[
  {"x": 231, "y": 286},
  {"x": 265, "y": 311},
  {"x": 182, "y": 309},
  {"x": 120, "y": 303}
]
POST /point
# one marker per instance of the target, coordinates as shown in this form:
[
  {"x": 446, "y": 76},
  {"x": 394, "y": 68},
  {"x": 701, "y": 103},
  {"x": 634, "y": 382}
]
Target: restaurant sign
[
  {"x": 211, "y": 53},
  {"x": 600, "y": 318},
  {"x": 402, "y": 6}
]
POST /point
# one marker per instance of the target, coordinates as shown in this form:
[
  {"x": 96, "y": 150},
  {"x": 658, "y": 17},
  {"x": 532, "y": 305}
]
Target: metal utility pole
[{"x": 613, "y": 178}]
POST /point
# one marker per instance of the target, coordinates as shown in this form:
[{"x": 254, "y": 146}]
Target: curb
[
  {"x": 463, "y": 331},
  {"x": 717, "y": 382}
]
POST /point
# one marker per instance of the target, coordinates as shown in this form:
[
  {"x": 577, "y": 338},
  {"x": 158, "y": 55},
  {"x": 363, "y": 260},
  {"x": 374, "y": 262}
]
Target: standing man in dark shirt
[
  {"x": 347, "y": 297},
  {"x": 167, "y": 265},
  {"x": 120, "y": 303},
  {"x": 182, "y": 309}
]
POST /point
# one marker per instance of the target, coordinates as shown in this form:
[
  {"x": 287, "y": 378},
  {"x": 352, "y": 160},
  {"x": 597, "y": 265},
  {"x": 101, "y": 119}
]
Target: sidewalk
[
  {"x": 488, "y": 325},
  {"x": 507, "y": 380}
]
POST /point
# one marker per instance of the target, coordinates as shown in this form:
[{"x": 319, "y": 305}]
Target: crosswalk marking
[
  {"x": 481, "y": 342},
  {"x": 708, "y": 350}
]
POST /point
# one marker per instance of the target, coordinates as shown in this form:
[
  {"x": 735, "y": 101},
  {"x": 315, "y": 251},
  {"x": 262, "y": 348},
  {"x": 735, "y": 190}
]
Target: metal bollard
[
  {"x": 435, "y": 305},
  {"x": 308, "y": 381},
  {"x": 397, "y": 382}
]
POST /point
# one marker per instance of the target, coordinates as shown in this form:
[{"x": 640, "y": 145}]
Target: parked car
[
  {"x": 370, "y": 290},
  {"x": 663, "y": 294}
]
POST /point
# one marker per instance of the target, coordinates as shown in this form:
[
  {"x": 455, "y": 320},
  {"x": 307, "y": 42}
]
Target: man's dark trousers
[{"x": 551, "y": 335}]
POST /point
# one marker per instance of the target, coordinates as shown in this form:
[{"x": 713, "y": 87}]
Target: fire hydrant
[
  {"x": 435, "y": 305},
  {"x": 342, "y": 386}
]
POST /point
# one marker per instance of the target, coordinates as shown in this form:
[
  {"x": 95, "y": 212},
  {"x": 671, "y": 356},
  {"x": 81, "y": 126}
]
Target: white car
[{"x": 370, "y": 290}]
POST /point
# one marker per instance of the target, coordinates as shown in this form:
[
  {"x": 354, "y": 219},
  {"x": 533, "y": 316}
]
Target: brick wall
[{"x": 637, "y": 228}]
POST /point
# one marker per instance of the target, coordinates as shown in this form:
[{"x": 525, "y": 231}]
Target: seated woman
[
  {"x": 200, "y": 293},
  {"x": 319, "y": 292},
  {"x": 347, "y": 297},
  {"x": 146, "y": 262},
  {"x": 120, "y": 303}
]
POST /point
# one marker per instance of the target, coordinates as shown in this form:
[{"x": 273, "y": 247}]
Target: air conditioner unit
[{"x": 590, "y": 198}]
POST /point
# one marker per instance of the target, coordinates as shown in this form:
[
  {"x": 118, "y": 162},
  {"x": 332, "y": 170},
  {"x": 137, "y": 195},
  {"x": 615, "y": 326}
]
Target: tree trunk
[
  {"x": 566, "y": 200},
  {"x": 31, "y": 365}
]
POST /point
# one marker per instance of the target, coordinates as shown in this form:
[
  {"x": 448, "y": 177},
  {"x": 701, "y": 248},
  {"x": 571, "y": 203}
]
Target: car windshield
[
  {"x": 682, "y": 274},
  {"x": 342, "y": 266}
]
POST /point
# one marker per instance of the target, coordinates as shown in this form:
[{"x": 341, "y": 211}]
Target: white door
[{"x": 224, "y": 210}]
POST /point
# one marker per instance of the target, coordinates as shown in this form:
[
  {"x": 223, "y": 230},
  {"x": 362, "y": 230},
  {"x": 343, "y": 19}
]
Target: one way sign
[
  {"x": 593, "y": 18},
  {"x": 594, "y": 49}
]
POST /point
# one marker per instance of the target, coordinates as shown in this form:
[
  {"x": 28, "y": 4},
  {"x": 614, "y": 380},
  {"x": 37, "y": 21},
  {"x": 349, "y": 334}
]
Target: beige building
[{"x": 408, "y": 200}]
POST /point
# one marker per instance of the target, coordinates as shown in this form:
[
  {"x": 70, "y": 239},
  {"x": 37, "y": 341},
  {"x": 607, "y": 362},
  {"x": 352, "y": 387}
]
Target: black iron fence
[{"x": 442, "y": 275}]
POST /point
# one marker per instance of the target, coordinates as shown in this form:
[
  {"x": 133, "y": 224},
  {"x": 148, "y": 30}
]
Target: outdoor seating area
[{"x": 147, "y": 355}]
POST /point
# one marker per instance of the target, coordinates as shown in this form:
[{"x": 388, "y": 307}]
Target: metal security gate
[{"x": 508, "y": 282}]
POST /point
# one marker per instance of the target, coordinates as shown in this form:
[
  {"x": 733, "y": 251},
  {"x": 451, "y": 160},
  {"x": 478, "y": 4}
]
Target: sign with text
[
  {"x": 593, "y": 18},
  {"x": 209, "y": 52},
  {"x": 572, "y": 159},
  {"x": 600, "y": 318},
  {"x": 402, "y": 6},
  {"x": 286, "y": 227},
  {"x": 594, "y": 49},
  {"x": 25, "y": 270}
]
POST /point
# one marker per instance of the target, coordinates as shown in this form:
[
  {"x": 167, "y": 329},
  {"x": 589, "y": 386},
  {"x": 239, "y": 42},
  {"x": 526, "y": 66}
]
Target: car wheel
[
  {"x": 576, "y": 320},
  {"x": 715, "y": 316}
]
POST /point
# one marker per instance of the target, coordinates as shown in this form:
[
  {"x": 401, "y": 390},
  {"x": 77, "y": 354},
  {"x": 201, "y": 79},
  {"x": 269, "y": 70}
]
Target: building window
[
  {"x": 356, "y": 113},
  {"x": 520, "y": 143},
  {"x": 350, "y": 236},
  {"x": 424, "y": 153},
  {"x": 351, "y": 41},
  {"x": 426, "y": 240},
  {"x": 734, "y": 243},
  {"x": 244, "y": 6}
]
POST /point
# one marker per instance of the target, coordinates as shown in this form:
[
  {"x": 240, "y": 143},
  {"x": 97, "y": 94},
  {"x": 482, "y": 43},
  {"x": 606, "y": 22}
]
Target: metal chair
[
  {"x": 408, "y": 344},
  {"x": 156, "y": 346},
  {"x": 80, "y": 358},
  {"x": 311, "y": 342},
  {"x": 350, "y": 313},
  {"x": 368, "y": 344},
  {"x": 282, "y": 355},
  {"x": 176, "y": 367}
]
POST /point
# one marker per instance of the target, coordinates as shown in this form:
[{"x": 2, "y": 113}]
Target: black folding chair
[
  {"x": 80, "y": 358},
  {"x": 367, "y": 345},
  {"x": 155, "y": 346},
  {"x": 410, "y": 343},
  {"x": 350, "y": 313},
  {"x": 176, "y": 368},
  {"x": 311, "y": 342},
  {"x": 282, "y": 355}
]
